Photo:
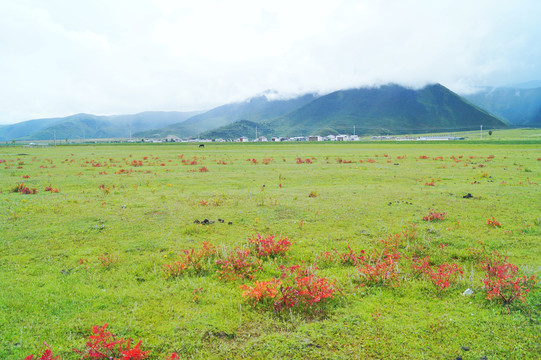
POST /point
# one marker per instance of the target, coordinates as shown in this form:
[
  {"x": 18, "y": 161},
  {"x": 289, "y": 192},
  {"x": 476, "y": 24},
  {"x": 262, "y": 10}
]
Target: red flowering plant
[
  {"x": 47, "y": 355},
  {"x": 239, "y": 264},
  {"x": 440, "y": 277},
  {"x": 103, "y": 345},
  {"x": 502, "y": 283},
  {"x": 192, "y": 260},
  {"x": 269, "y": 246},
  {"x": 297, "y": 288}
]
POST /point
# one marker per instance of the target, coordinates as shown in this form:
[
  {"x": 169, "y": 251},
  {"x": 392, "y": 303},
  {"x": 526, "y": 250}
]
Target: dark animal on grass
[{"x": 201, "y": 145}]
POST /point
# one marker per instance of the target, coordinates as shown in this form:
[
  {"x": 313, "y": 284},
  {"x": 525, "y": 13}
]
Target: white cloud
[{"x": 60, "y": 57}]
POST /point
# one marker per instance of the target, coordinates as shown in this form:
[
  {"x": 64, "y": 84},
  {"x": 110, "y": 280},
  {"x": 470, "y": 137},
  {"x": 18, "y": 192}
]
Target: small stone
[
  {"x": 468, "y": 292},
  {"x": 468, "y": 196},
  {"x": 230, "y": 223},
  {"x": 196, "y": 221},
  {"x": 458, "y": 358},
  {"x": 465, "y": 348},
  {"x": 221, "y": 220}
]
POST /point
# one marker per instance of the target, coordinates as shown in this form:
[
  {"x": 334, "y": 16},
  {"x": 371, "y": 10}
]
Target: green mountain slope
[
  {"x": 256, "y": 109},
  {"x": 386, "y": 109},
  {"x": 90, "y": 126},
  {"x": 520, "y": 106},
  {"x": 237, "y": 129}
]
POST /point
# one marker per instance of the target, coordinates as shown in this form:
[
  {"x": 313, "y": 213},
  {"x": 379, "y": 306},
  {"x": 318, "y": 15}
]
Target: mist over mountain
[
  {"x": 256, "y": 109},
  {"x": 387, "y": 109},
  {"x": 520, "y": 104}
]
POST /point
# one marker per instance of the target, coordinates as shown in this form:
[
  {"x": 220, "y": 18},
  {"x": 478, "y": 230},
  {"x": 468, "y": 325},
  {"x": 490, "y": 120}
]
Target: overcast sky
[{"x": 61, "y": 57}]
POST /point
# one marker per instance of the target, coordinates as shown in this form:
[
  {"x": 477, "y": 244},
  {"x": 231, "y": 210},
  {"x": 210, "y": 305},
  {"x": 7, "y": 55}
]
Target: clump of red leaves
[
  {"x": 501, "y": 281},
  {"x": 297, "y": 288},
  {"x": 270, "y": 246},
  {"x": 441, "y": 277},
  {"x": 22, "y": 189},
  {"x": 51, "y": 189},
  {"x": 191, "y": 260},
  {"x": 203, "y": 169},
  {"x": 493, "y": 222},
  {"x": 239, "y": 264},
  {"x": 108, "y": 260},
  {"x": 346, "y": 258},
  {"x": 47, "y": 354},
  {"x": 103, "y": 345},
  {"x": 433, "y": 216},
  {"x": 381, "y": 268}
]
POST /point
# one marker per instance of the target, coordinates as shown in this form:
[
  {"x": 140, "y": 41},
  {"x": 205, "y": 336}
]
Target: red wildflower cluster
[
  {"x": 433, "y": 216},
  {"x": 296, "y": 288},
  {"x": 238, "y": 265},
  {"x": 53, "y": 190},
  {"x": 270, "y": 246},
  {"x": 440, "y": 277},
  {"x": 191, "y": 260},
  {"x": 22, "y": 189},
  {"x": 493, "y": 223}
]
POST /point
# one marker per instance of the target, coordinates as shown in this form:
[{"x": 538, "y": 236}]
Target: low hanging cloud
[{"x": 107, "y": 57}]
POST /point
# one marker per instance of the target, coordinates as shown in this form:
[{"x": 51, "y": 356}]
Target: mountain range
[
  {"x": 519, "y": 105},
  {"x": 366, "y": 111},
  {"x": 80, "y": 126}
]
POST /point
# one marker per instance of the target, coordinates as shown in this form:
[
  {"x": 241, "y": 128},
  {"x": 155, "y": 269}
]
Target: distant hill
[
  {"x": 90, "y": 126},
  {"x": 389, "y": 109},
  {"x": 257, "y": 109},
  {"x": 520, "y": 105},
  {"x": 237, "y": 129}
]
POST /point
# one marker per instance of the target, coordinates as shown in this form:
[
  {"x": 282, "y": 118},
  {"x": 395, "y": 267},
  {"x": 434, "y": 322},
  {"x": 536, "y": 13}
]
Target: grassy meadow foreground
[{"x": 272, "y": 250}]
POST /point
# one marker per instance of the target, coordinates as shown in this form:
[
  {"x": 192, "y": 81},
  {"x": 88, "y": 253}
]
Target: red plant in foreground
[
  {"x": 261, "y": 290},
  {"x": 297, "y": 286},
  {"x": 238, "y": 265},
  {"x": 432, "y": 216},
  {"x": 203, "y": 169},
  {"x": 53, "y": 190},
  {"x": 441, "y": 277},
  {"x": 381, "y": 270},
  {"x": 47, "y": 355},
  {"x": 270, "y": 245},
  {"x": 502, "y": 284},
  {"x": 493, "y": 222}
]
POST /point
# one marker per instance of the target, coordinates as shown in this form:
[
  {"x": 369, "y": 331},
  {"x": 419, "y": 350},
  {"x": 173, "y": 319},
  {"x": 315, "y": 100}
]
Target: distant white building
[
  {"x": 243, "y": 139},
  {"x": 342, "y": 137},
  {"x": 277, "y": 139},
  {"x": 172, "y": 138},
  {"x": 261, "y": 139},
  {"x": 315, "y": 138},
  {"x": 354, "y": 138},
  {"x": 330, "y": 137}
]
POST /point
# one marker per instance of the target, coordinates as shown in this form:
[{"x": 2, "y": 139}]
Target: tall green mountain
[
  {"x": 386, "y": 109},
  {"x": 237, "y": 129},
  {"x": 257, "y": 109},
  {"x": 520, "y": 105},
  {"x": 90, "y": 126},
  {"x": 389, "y": 109}
]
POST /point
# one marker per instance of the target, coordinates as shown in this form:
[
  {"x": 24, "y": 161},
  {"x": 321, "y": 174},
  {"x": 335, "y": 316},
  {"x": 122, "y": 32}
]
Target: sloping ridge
[
  {"x": 79, "y": 126},
  {"x": 257, "y": 109},
  {"x": 520, "y": 106},
  {"x": 385, "y": 109}
]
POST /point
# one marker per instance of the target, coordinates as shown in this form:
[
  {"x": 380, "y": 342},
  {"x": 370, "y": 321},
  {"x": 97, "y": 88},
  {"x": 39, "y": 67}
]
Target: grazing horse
[{"x": 201, "y": 145}]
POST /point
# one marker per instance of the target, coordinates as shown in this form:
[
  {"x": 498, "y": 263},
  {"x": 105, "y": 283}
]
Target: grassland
[{"x": 136, "y": 206}]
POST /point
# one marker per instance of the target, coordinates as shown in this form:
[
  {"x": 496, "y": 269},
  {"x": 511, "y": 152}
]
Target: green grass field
[{"x": 94, "y": 252}]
